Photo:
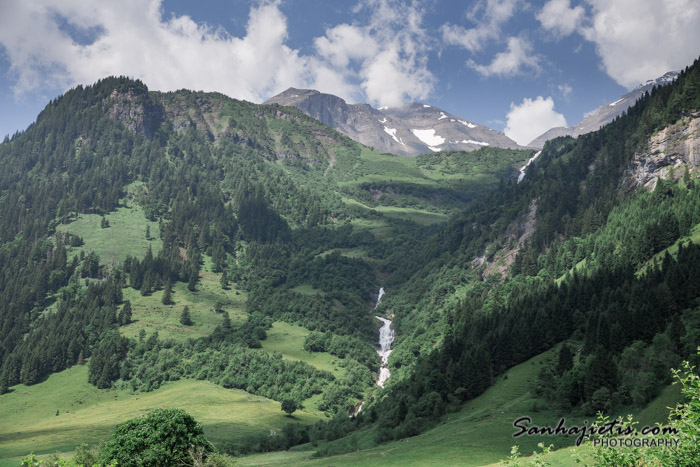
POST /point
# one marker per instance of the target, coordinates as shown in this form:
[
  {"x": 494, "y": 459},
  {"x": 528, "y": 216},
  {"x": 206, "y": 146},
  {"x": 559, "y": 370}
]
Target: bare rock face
[
  {"x": 670, "y": 152},
  {"x": 603, "y": 114},
  {"x": 136, "y": 113},
  {"x": 408, "y": 131}
]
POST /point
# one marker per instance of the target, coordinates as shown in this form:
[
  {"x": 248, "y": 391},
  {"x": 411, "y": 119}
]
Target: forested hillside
[
  {"x": 249, "y": 215},
  {"x": 567, "y": 255},
  {"x": 155, "y": 237}
]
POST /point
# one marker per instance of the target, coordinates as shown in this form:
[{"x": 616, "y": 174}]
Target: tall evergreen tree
[
  {"x": 125, "y": 314},
  {"x": 185, "y": 318},
  {"x": 167, "y": 293}
]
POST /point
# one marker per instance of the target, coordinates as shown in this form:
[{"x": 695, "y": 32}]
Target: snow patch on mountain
[
  {"x": 442, "y": 115},
  {"x": 429, "y": 137},
  {"x": 467, "y": 124},
  {"x": 471, "y": 141},
  {"x": 392, "y": 133}
]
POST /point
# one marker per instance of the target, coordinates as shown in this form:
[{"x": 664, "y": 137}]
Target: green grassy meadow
[
  {"x": 150, "y": 314},
  {"x": 126, "y": 234},
  {"x": 288, "y": 340},
  {"x": 479, "y": 434},
  {"x": 29, "y": 421}
]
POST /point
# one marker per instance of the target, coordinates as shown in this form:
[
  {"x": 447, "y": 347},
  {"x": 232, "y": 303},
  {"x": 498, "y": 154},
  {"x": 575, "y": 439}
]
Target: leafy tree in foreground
[{"x": 163, "y": 437}]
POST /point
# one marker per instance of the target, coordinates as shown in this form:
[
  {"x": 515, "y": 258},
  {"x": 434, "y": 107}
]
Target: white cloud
[
  {"x": 565, "y": 89},
  {"x": 134, "y": 38},
  {"x": 639, "y": 40},
  {"x": 559, "y": 17},
  {"x": 531, "y": 118},
  {"x": 137, "y": 41},
  {"x": 516, "y": 59},
  {"x": 387, "y": 56},
  {"x": 489, "y": 16}
]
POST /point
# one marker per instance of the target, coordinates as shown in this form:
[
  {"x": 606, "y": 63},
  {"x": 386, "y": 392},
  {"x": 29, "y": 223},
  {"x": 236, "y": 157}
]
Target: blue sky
[{"x": 514, "y": 65}]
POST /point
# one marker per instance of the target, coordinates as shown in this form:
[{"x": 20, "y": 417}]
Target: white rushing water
[
  {"x": 524, "y": 168},
  {"x": 386, "y": 338}
]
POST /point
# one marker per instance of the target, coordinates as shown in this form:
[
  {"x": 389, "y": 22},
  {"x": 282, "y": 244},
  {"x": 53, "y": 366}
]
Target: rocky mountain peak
[
  {"x": 605, "y": 113},
  {"x": 413, "y": 129}
]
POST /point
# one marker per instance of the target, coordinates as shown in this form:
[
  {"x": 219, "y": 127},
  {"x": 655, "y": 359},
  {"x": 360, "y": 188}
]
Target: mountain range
[
  {"x": 408, "y": 131},
  {"x": 419, "y": 128}
]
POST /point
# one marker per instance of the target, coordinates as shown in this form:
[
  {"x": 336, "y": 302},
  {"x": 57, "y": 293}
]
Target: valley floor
[{"x": 479, "y": 434}]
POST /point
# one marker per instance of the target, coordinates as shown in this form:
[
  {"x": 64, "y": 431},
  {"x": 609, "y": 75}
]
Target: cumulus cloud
[
  {"x": 516, "y": 59},
  {"x": 489, "y": 16},
  {"x": 531, "y": 118},
  {"x": 387, "y": 56},
  {"x": 132, "y": 37},
  {"x": 637, "y": 40},
  {"x": 559, "y": 17},
  {"x": 136, "y": 40}
]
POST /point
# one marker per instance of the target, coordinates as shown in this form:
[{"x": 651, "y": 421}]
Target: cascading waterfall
[
  {"x": 524, "y": 168},
  {"x": 386, "y": 338}
]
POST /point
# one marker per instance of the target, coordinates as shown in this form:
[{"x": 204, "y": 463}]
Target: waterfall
[
  {"x": 522, "y": 170},
  {"x": 386, "y": 338},
  {"x": 380, "y": 294}
]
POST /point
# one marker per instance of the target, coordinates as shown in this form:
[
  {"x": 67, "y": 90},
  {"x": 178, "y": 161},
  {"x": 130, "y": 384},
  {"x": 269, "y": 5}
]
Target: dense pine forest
[{"x": 260, "y": 215}]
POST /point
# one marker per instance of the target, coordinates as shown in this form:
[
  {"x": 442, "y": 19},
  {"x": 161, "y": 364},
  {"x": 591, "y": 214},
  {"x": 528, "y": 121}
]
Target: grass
[
  {"x": 419, "y": 216},
  {"x": 288, "y": 340},
  {"x": 150, "y": 314},
  {"x": 28, "y": 420},
  {"x": 307, "y": 289},
  {"x": 355, "y": 253},
  {"x": 479, "y": 434},
  {"x": 126, "y": 234}
]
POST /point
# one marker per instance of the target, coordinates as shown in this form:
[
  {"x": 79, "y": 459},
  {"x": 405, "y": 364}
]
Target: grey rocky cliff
[
  {"x": 670, "y": 153},
  {"x": 411, "y": 130}
]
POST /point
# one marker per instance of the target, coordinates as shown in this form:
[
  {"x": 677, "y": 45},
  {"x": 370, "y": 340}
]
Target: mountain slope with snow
[
  {"x": 603, "y": 114},
  {"x": 414, "y": 129}
]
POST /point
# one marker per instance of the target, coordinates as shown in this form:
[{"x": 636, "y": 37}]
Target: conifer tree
[
  {"x": 226, "y": 323},
  {"x": 125, "y": 315},
  {"x": 185, "y": 319},
  {"x": 192, "y": 282},
  {"x": 167, "y": 294}
]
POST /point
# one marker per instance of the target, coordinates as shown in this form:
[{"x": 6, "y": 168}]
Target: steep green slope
[{"x": 462, "y": 319}]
